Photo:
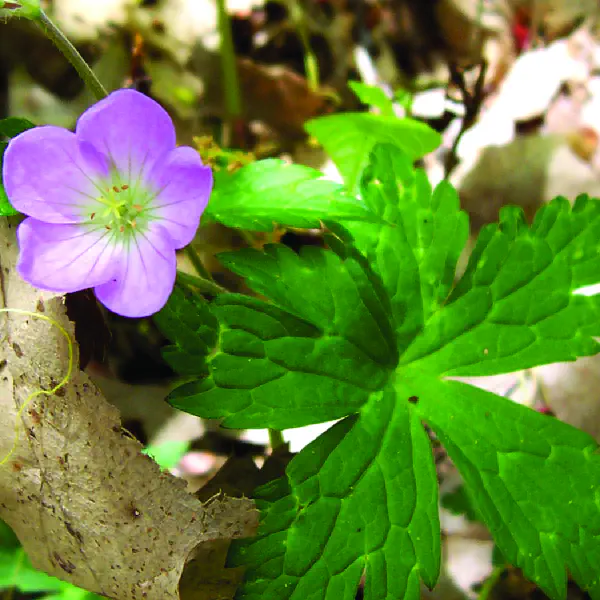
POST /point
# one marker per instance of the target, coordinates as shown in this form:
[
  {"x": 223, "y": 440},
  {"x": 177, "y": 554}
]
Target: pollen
[
  {"x": 108, "y": 227},
  {"x": 124, "y": 187},
  {"x": 137, "y": 207},
  {"x": 116, "y": 190},
  {"x": 92, "y": 215}
]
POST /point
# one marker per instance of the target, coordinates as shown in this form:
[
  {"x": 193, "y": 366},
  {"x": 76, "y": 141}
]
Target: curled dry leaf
[{"x": 86, "y": 505}]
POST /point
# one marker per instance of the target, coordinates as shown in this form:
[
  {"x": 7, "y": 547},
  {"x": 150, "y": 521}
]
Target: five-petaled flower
[{"x": 107, "y": 205}]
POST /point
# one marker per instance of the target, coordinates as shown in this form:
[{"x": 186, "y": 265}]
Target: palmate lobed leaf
[
  {"x": 312, "y": 357},
  {"x": 372, "y": 341},
  {"x": 361, "y": 496}
]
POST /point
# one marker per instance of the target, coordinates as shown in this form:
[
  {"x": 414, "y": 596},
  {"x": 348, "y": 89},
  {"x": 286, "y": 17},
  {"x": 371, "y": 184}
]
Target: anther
[
  {"x": 116, "y": 189},
  {"x": 122, "y": 228},
  {"x": 133, "y": 223},
  {"x": 137, "y": 207},
  {"x": 108, "y": 227},
  {"x": 125, "y": 187},
  {"x": 92, "y": 215}
]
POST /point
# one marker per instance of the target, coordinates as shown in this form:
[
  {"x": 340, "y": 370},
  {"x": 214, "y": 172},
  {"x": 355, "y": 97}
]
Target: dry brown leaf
[
  {"x": 86, "y": 505},
  {"x": 279, "y": 97}
]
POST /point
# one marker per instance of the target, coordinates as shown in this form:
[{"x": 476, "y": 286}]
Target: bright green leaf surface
[
  {"x": 535, "y": 480},
  {"x": 16, "y": 571},
  {"x": 320, "y": 358},
  {"x": 349, "y": 138},
  {"x": 271, "y": 191},
  {"x": 372, "y": 340},
  {"x": 187, "y": 319},
  {"x": 515, "y": 307},
  {"x": 415, "y": 257},
  {"x": 363, "y": 495},
  {"x": 168, "y": 454},
  {"x": 372, "y": 95}
]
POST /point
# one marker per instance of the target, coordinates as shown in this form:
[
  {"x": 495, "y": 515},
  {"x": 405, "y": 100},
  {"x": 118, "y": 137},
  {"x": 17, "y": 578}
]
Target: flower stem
[
  {"x": 275, "y": 439},
  {"x": 72, "y": 55},
  {"x": 311, "y": 65},
  {"x": 197, "y": 263},
  {"x": 231, "y": 83},
  {"x": 204, "y": 285}
]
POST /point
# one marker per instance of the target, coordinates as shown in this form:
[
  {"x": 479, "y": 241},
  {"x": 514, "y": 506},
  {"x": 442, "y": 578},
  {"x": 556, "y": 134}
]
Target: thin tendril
[{"x": 37, "y": 393}]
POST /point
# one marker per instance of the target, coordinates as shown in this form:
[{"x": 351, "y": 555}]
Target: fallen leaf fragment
[{"x": 87, "y": 506}]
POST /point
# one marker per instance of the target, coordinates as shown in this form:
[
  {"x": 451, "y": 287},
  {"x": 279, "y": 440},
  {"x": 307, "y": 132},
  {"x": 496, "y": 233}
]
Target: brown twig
[{"x": 472, "y": 103}]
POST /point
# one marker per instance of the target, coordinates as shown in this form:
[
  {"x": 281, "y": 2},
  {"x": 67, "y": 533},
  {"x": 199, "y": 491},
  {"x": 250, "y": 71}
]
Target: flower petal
[
  {"x": 132, "y": 130},
  {"x": 145, "y": 278},
  {"x": 185, "y": 186},
  {"x": 49, "y": 175},
  {"x": 65, "y": 258}
]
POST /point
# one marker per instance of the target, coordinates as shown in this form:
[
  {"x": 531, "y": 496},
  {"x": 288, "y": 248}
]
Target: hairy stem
[
  {"x": 203, "y": 285},
  {"x": 72, "y": 55}
]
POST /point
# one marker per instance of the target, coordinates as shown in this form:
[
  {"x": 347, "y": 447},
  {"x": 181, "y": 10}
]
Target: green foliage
[
  {"x": 29, "y": 9},
  {"x": 9, "y": 128},
  {"x": 271, "y": 191},
  {"x": 349, "y": 138},
  {"x": 368, "y": 332},
  {"x": 16, "y": 572},
  {"x": 458, "y": 503},
  {"x": 188, "y": 320},
  {"x": 168, "y": 454},
  {"x": 373, "y": 96}
]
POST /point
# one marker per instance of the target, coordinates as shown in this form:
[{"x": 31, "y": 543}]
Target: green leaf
[
  {"x": 29, "y": 9},
  {"x": 271, "y": 191},
  {"x": 459, "y": 503},
  {"x": 349, "y": 138},
  {"x": 372, "y": 338},
  {"x": 16, "y": 572},
  {"x": 13, "y": 126},
  {"x": 168, "y": 454},
  {"x": 362, "y": 496},
  {"x": 514, "y": 308},
  {"x": 314, "y": 356},
  {"x": 535, "y": 480},
  {"x": 416, "y": 257},
  {"x": 373, "y": 95},
  {"x": 9, "y": 128},
  {"x": 188, "y": 321}
]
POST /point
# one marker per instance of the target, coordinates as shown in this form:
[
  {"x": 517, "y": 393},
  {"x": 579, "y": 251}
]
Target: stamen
[
  {"x": 92, "y": 215},
  {"x": 122, "y": 228},
  {"x": 125, "y": 187},
  {"x": 108, "y": 227},
  {"x": 132, "y": 223},
  {"x": 137, "y": 207},
  {"x": 116, "y": 189}
]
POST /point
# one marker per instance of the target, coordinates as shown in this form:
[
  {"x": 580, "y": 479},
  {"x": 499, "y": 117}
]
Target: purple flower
[{"x": 107, "y": 205}]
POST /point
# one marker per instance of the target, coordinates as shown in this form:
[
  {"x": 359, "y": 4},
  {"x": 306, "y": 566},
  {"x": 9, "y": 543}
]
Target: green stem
[
  {"x": 204, "y": 285},
  {"x": 231, "y": 83},
  {"x": 72, "y": 55},
  {"x": 197, "y": 263},
  {"x": 490, "y": 582},
  {"x": 311, "y": 65},
  {"x": 275, "y": 439}
]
